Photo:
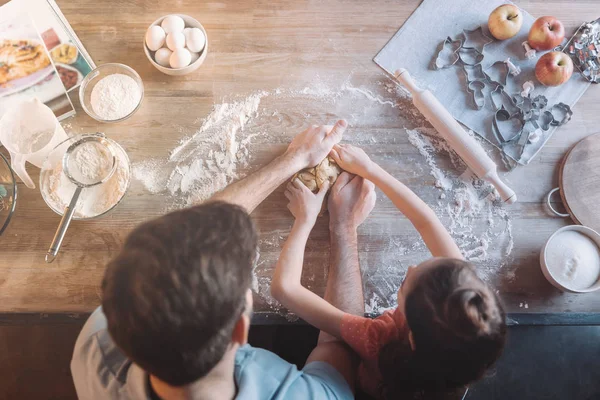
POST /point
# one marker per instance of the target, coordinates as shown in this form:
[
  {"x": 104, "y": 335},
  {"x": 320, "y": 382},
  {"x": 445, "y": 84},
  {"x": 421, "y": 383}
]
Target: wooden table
[{"x": 263, "y": 45}]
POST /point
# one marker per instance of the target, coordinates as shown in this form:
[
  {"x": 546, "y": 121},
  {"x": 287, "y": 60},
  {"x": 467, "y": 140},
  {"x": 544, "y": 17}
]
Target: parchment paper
[{"x": 415, "y": 47}]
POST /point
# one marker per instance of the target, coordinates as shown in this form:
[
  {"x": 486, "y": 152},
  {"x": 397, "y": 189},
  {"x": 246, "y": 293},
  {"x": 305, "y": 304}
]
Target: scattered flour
[
  {"x": 221, "y": 149},
  {"x": 476, "y": 217}
]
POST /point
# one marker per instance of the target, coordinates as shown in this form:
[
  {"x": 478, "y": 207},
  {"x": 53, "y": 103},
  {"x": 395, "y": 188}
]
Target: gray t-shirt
[{"x": 101, "y": 371}]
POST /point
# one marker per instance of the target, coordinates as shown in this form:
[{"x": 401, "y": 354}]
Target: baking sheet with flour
[{"x": 415, "y": 47}]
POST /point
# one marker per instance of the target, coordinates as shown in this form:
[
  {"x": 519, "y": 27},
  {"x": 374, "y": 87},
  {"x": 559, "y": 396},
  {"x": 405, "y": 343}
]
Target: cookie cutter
[
  {"x": 543, "y": 121},
  {"x": 498, "y": 73},
  {"x": 470, "y": 56},
  {"x": 534, "y": 136},
  {"x": 446, "y": 57},
  {"x": 584, "y": 49},
  {"x": 509, "y": 103},
  {"x": 502, "y": 135},
  {"x": 528, "y": 87},
  {"x": 513, "y": 69},
  {"x": 476, "y": 89},
  {"x": 529, "y": 52},
  {"x": 473, "y": 34},
  {"x": 496, "y": 97},
  {"x": 540, "y": 102},
  {"x": 561, "y": 114},
  {"x": 474, "y": 73}
]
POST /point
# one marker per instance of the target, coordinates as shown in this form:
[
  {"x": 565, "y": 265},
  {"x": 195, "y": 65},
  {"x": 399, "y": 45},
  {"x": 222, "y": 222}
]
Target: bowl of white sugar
[
  {"x": 570, "y": 260},
  {"x": 111, "y": 93}
]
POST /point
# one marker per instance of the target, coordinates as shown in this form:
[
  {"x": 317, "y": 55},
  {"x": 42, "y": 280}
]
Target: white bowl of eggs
[{"x": 176, "y": 44}]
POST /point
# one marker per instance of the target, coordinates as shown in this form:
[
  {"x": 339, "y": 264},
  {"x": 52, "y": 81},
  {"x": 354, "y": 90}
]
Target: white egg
[
  {"x": 180, "y": 58},
  {"x": 162, "y": 56},
  {"x": 175, "y": 40},
  {"x": 195, "y": 56},
  {"x": 155, "y": 37},
  {"x": 194, "y": 39},
  {"x": 172, "y": 23}
]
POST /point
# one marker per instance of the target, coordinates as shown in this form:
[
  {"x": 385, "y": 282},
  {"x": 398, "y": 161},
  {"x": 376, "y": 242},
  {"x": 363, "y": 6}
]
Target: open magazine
[
  {"x": 52, "y": 60},
  {"x": 26, "y": 70}
]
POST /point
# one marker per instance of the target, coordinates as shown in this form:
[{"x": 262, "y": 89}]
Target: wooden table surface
[{"x": 264, "y": 45}]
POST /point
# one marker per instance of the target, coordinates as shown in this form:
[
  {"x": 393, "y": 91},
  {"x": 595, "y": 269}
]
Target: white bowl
[
  {"x": 189, "y": 23},
  {"x": 592, "y": 234}
]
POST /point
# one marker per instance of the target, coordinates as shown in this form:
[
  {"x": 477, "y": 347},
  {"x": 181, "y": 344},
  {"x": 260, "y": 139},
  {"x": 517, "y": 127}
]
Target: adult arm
[
  {"x": 288, "y": 290},
  {"x": 307, "y": 149},
  {"x": 351, "y": 200},
  {"x": 434, "y": 234}
]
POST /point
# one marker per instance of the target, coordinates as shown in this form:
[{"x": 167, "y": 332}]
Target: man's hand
[
  {"x": 351, "y": 200},
  {"x": 304, "y": 204},
  {"x": 314, "y": 144},
  {"x": 352, "y": 159}
]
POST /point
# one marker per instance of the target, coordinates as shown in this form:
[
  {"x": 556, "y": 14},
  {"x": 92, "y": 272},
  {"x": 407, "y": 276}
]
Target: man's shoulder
[
  {"x": 98, "y": 367},
  {"x": 261, "y": 374}
]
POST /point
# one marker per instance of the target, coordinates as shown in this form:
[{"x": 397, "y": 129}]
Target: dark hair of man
[
  {"x": 458, "y": 333},
  {"x": 176, "y": 290}
]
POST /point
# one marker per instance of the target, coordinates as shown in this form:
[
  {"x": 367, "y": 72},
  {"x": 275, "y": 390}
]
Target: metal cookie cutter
[
  {"x": 561, "y": 114},
  {"x": 498, "y": 73},
  {"x": 539, "y": 102},
  {"x": 496, "y": 97},
  {"x": 474, "y": 73},
  {"x": 470, "y": 56},
  {"x": 584, "y": 49},
  {"x": 507, "y": 128},
  {"x": 448, "y": 54},
  {"x": 476, "y": 39},
  {"x": 543, "y": 121},
  {"x": 476, "y": 90}
]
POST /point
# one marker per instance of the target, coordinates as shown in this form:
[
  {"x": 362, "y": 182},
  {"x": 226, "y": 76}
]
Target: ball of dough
[
  {"x": 162, "y": 57},
  {"x": 172, "y": 23},
  {"x": 313, "y": 178},
  {"x": 308, "y": 178},
  {"x": 180, "y": 58},
  {"x": 327, "y": 170},
  {"x": 194, "y": 39},
  {"x": 175, "y": 40},
  {"x": 155, "y": 37}
]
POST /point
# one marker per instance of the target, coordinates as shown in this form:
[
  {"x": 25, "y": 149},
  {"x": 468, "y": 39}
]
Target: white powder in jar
[
  {"x": 573, "y": 259},
  {"x": 93, "y": 201},
  {"x": 115, "y": 96}
]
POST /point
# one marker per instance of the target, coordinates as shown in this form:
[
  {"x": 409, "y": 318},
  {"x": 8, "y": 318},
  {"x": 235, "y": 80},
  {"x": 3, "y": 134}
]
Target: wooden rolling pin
[{"x": 464, "y": 144}]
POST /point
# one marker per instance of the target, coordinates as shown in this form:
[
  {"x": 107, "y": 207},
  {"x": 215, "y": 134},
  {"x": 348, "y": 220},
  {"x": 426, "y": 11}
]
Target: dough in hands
[{"x": 314, "y": 178}]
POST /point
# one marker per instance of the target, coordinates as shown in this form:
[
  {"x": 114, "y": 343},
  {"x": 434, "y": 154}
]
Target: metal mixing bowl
[{"x": 8, "y": 193}]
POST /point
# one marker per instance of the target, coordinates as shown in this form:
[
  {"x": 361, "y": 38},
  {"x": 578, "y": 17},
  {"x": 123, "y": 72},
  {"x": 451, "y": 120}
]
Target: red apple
[
  {"x": 505, "y": 21},
  {"x": 546, "y": 33},
  {"x": 554, "y": 68}
]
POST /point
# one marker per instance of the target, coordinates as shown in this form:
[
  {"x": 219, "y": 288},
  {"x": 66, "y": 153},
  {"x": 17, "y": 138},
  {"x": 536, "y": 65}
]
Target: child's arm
[
  {"x": 286, "y": 287},
  {"x": 434, "y": 234}
]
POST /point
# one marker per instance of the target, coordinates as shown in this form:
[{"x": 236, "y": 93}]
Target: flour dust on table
[{"x": 223, "y": 148}]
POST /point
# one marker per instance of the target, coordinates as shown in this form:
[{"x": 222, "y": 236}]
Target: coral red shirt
[{"x": 366, "y": 337}]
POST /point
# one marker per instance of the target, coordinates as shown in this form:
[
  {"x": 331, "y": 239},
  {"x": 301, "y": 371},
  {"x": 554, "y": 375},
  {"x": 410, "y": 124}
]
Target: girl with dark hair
[{"x": 449, "y": 326}]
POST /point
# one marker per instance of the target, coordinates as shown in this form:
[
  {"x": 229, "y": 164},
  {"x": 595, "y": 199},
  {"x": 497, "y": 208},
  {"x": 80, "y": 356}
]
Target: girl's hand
[
  {"x": 304, "y": 204},
  {"x": 352, "y": 159}
]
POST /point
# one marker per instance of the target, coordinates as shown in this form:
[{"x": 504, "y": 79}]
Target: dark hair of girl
[{"x": 458, "y": 332}]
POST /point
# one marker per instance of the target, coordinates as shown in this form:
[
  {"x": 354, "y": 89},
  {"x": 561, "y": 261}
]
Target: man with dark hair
[{"x": 176, "y": 304}]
